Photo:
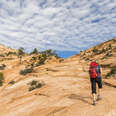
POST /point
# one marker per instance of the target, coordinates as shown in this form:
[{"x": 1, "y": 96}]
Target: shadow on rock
[{"x": 84, "y": 99}]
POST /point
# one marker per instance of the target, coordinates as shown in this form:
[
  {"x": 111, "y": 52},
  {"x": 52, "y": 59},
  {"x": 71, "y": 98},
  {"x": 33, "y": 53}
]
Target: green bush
[
  {"x": 2, "y": 67},
  {"x": 11, "y": 53},
  {"x": 49, "y": 53},
  {"x": 95, "y": 50},
  {"x": 42, "y": 59},
  {"x": 26, "y": 71},
  {"x": 34, "y": 85},
  {"x": 44, "y": 55},
  {"x": 34, "y": 58},
  {"x": 110, "y": 46},
  {"x": 39, "y": 85},
  {"x": 112, "y": 72},
  {"x": 1, "y": 78},
  {"x": 35, "y": 51},
  {"x": 103, "y": 51},
  {"x": 34, "y": 82},
  {"x": 31, "y": 88}
]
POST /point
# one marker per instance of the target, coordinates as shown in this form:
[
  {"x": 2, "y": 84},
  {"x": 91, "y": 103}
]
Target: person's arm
[{"x": 100, "y": 69}]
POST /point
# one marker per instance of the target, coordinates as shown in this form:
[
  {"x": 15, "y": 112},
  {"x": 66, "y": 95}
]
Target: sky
[{"x": 67, "y": 26}]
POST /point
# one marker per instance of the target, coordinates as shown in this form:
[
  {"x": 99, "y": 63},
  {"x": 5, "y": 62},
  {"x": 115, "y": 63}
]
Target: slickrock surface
[{"x": 66, "y": 90}]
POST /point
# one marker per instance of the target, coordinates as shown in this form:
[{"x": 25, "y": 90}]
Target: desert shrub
[
  {"x": 26, "y": 71},
  {"x": 34, "y": 85},
  {"x": 33, "y": 61},
  {"x": 12, "y": 82},
  {"x": 11, "y": 53},
  {"x": 41, "y": 62},
  {"x": 44, "y": 55},
  {"x": 35, "y": 51},
  {"x": 110, "y": 46},
  {"x": 2, "y": 55},
  {"x": 1, "y": 78},
  {"x": 31, "y": 88},
  {"x": 2, "y": 67},
  {"x": 34, "y": 82},
  {"x": 49, "y": 52},
  {"x": 112, "y": 72},
  {"x": 42, "y": 59},
  {"x": 21, "y": 53},
  {"x": 34, "y": 58},
  {"x": 103, "y": 50},
  {"x": 39, "y": 85},
  {"x": 95, "y": 50}
]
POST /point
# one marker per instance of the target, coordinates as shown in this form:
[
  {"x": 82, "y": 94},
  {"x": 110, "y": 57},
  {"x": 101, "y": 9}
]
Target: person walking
[{"x": 95, "y": 77}]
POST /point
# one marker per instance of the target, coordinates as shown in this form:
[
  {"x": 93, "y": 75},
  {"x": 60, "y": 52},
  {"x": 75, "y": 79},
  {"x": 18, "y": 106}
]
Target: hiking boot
[
  {"x": 94, "y": 103},
  {"x": 99, "y": 97}
]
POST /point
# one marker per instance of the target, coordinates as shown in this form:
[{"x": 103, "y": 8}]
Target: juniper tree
[{"x": 20, "y": 53}]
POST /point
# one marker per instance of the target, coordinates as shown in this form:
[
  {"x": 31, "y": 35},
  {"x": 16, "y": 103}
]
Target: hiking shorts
[{"x": 93, "y": 84}]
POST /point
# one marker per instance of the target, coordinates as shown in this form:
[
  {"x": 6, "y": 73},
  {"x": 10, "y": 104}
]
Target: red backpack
[{"x": 92, "y": 70}]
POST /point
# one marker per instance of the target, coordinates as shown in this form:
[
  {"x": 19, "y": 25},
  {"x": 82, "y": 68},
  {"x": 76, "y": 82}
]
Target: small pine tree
[
  {"x": 35, "y": 51},
  {"x": 21, "y": 53}
]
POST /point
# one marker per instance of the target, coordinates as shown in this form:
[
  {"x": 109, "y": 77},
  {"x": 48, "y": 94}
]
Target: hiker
[{"x": 95, "y": 77}]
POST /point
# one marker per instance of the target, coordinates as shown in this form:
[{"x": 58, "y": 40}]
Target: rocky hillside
[
  {"x": 50, "y": 86},
  {"x": 4, "y": 49},
  {"x": 105, "y": 54},
  {"x": 100, "y": 52}
]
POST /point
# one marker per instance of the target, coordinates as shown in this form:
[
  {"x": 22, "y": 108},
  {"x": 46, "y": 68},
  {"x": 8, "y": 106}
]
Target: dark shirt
[{"x": 98, "y": 71}]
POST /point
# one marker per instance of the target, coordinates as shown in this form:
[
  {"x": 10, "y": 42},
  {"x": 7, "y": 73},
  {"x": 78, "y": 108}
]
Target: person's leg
[
  {"x": 99, "y": 91},
  {"x": 94, "y": 96},
  {"x": 99, "y": 94},
  {"x": 93, "y": 86},
  {"x": 99, "y": 82}
]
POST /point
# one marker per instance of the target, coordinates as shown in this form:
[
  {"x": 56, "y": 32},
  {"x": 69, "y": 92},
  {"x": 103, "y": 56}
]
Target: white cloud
[
  {"x": 64, "y": 25},
  {"x": 49, "y": 11}
]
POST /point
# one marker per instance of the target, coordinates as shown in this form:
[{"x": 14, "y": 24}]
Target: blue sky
[{"x": 66, "y": 26}]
